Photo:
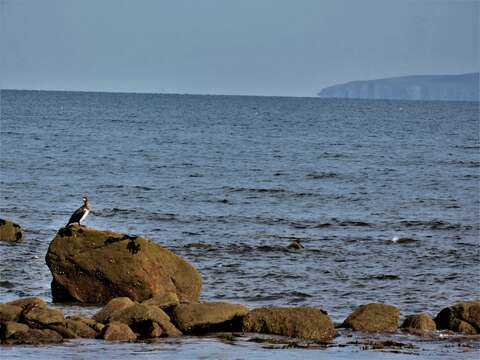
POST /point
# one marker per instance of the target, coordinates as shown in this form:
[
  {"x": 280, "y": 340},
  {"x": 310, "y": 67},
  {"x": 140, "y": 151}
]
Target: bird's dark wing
[{"x": 76, "y": 216}]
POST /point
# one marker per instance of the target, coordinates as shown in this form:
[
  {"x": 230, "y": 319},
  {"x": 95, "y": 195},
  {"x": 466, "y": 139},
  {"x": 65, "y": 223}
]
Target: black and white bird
[{"x": 81, "y": 213}]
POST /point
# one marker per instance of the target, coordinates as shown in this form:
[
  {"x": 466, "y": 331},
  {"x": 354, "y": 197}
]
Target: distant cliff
[{"x": 463, "y": 87}]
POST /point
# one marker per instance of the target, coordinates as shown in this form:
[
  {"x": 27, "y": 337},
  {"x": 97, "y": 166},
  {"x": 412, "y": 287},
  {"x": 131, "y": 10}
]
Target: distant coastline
[{"x": 464, "y": 87}]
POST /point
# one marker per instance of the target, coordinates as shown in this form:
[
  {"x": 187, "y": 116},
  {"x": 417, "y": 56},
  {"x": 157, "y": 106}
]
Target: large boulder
[
  {"x": 374, "y": 317},
  {"x": 198, "y": 318},
  {"x": 419, "y": 323},
  {"x": 306, "y": 323},
  {"x": 10, "y": 231},
  {"x": 463, "y": 317},
  {"x": 92, "y": 266}
]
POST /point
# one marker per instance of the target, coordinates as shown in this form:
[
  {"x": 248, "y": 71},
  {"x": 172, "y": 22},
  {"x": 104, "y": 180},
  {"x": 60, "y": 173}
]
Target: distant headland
[{"x": 464, "y": 87}]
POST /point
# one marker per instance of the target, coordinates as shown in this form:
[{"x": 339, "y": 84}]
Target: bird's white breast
[{"x": 85, "y": 213}]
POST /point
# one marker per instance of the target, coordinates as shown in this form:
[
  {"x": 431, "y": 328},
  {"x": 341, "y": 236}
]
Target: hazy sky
[{"x": 259, "y": 47}]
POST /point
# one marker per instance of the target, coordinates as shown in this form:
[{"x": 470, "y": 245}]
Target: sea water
[{"x": 384, "y": 196}]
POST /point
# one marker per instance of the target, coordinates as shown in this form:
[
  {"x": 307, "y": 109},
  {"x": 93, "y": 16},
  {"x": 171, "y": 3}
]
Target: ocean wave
[
  {"x": 434, "y": 224},
  {"x": 381, "y": 277}
]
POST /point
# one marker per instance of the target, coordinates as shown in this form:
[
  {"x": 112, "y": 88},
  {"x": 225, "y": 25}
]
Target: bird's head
[{"x": 85, "y": 199}]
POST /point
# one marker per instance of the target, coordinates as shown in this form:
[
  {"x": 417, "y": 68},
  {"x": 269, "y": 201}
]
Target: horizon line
[
  {"x": 159, "y": 93},
  {"x": 224, "y": 95}
]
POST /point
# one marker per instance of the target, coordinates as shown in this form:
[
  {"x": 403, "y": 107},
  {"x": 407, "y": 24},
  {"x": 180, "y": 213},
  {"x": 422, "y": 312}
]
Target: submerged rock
[
  {"x": 92, "y": 266},
  {"x": 198, "y": 318},
  {"x": 295, "y": 245},
  {"x": 374, "y": 317},
  {"x": 306, "y": 323},
  {"x": 10, "y": 231},
  {"x": 419, "y": 323},
  {"x": 463, "y": 317}
]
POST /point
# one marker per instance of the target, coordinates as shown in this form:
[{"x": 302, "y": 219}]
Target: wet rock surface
[{"x": 92, "y": 266}]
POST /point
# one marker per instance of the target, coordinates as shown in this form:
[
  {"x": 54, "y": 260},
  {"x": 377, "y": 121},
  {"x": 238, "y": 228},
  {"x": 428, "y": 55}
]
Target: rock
[
  {"x": 147, "y": 321},
  {"x": 28, "y": 302},
  {"x": 11, "y": 327},
  {"x": 62, "y": 329},
  {"x": 96, "y": 326},
  {"x": 12, "y": 310},
  {"x": 304, "y": 322},
  {"x": 117, "y": 331},
  {"x": 9, "y": 312},
  {"x": 163, "y": 301},
  {"x": 34, "y": 337},
  {"x": 419, "y": 323},
  {"x": 197, "y": 318},
  {"x": 463, "y": 317},
  {"x": 120, "y": 303},
  {"x": 71, "y": 329},
  {"x": 80, "y": 329},
  {"x": 373, "y": 317},
  {"x": 92, "y": 266},
  {"x": 10, "y": 231},
  {"x": 41, "y": 316}
]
